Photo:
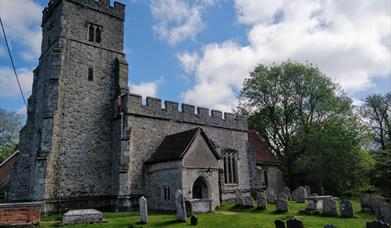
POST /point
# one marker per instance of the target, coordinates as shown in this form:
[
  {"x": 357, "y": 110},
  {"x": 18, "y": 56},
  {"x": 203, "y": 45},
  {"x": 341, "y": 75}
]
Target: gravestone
[
  {"x": 329, "y": 226},
  {"x": 283, "y": 195},
  {"x": 194, "y": 220},
  {"x": 384, "y": 213},
  {"x": 248, "y": 201},
  {"x": 83, "y": 216},
  {"x": 262, "y": 201},
  {"x": 180, "y": 206},
  {"x": 307, "y": 190},
  {"x": 377, "y": 224},
  {"x": 376, "y": 202},
  {"x": 279, "y": 224},
  {"x": 287, "y": 191},
  {"x": 346, "y": 209},
  {"x": 143, "y": 210},
  {"x": 295, "y": 223},
  {"x": 314, "y": 194},
  {"x": 254, "y": 194},
  {"x": 239, "y": 201},
  {"x": 329, "y": 207},
  {"x": 281, "y": 205},
  {"x": 189, "y": 208},
  {"x": 365, "y": 202},
  {"x": 271, "y": 198},
  {"x": 300, "y": 194}
]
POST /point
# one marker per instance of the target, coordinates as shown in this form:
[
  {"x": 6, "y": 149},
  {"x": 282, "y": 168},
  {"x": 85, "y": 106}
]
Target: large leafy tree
[
  {"x": 376, "y": 110},
  {"x": 295, "y": 108},
  {"x": 10, "y": 124}
]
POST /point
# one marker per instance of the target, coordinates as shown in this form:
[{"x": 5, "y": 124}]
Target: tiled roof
[
  {"x": 175, "y": 146},
  {"x": 263, "y": 153}
]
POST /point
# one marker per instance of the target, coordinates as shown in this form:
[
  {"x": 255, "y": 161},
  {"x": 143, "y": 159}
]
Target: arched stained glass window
[{"x": 230, "y": 159}]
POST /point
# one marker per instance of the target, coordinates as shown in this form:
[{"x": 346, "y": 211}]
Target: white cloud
[
  {"x": 146, "y": 88},
  {"x": 178, "y": 19},
  {"x": 21, "y": 20},
  {"x": 8, "y": 85},
  {"x": 188, "y": 61},
  {"x": 348, "y": 43}
]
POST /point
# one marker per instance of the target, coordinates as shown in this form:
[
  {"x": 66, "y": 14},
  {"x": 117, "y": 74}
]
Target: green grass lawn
[{"x": 225, "y": 216}]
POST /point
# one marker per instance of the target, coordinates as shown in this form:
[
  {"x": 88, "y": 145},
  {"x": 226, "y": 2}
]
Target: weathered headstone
[
  {"x": 143, "y": 210},
  {"x": 300, "y": 194},
  {"x": 376, "y": 202},
  {"x": 271, "y": 197},
  {"x": 384, "y": 213},
  {"x": 314, "y": 194},
  {"x": 287, "y": 191},
  {"x": 281, "y": 205},
  {"x": 189, "y": 208},
  {"x": 329, "y": 226},
  {"x": 86, "y": 216},
  {"x": 295, "y": 223},
  {"x": 194, "y": 220},
  {"x": 365, "y": 202},
  {"x": 346, "y": 209},
  {"x": 261, "y": 201},
  {"x": 283, "y": 195},
  {"x": 307, "y": 190},
  {"x": 248, "y": 201},
  {"x": 254, "y": 194},
  {"x": 180, "y": 206},
  {"x": 329, "y": 207},
  {"x": 279, "y": 224},
  {"x": 377, "y": 224},
  {"x": 239, "y": 201}
]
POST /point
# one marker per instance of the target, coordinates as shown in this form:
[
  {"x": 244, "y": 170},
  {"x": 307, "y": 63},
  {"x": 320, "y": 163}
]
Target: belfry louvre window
[
  {"x": 94, "y": 33},
  {"x": 166, "y": 193},
  {"x": 230, "y": 159}
]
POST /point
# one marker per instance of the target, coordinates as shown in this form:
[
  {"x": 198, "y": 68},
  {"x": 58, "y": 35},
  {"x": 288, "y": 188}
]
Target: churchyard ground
[{"x": 226, "y": 216}]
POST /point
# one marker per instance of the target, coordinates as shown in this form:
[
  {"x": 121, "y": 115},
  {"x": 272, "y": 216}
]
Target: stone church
[{"x": 89, "y": 143}]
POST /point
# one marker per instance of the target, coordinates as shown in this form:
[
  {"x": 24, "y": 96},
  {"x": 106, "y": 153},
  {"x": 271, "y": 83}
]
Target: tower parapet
[
  {"x": 118, "y": 10},
  {"x": 189, "y": 113}
]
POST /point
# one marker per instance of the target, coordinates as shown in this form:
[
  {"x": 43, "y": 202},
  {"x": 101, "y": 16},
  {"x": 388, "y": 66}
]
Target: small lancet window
[
  {"x": 98, "y": 35},
  {"x": 90, "y": 74},
  {"x": 91, "y": 33}
]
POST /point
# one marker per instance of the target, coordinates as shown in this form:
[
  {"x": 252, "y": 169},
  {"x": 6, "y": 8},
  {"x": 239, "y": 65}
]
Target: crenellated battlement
[
  {"x": 132, "y": 104},
  {"x": 118, "y": 10}
]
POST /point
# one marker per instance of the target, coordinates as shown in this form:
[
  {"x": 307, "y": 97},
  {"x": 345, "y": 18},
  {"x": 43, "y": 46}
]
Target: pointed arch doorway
[{"x": 200, "y": 188}]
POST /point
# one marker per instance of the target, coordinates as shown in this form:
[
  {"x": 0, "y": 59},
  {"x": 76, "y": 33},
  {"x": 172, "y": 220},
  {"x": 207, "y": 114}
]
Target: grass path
[{"x": 225, "y": 216}]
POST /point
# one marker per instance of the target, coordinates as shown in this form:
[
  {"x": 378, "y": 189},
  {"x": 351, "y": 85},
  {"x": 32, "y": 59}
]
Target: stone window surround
[
  {"x": 92, "y": 34},
  {"x": 230, "y": 165}
]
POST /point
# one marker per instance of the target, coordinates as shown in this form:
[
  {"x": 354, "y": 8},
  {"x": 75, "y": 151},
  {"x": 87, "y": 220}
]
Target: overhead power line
[{"x": 12, "y": 62}]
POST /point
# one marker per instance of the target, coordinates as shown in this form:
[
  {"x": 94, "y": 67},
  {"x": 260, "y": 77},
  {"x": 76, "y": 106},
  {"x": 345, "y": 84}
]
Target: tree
[
  {"x": 376, "y": 110},
  {"x": 288, "y": 104},
  {"x": 10, "y": 124},
  {"x": 381, "y": 173}
]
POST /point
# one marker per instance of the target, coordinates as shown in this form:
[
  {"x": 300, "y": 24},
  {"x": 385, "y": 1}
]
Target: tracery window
[{"x": 230, "y": 159}]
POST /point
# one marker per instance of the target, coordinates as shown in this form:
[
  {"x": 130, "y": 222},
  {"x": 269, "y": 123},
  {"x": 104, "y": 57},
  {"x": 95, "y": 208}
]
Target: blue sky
[{"x": 200, "y": 51}]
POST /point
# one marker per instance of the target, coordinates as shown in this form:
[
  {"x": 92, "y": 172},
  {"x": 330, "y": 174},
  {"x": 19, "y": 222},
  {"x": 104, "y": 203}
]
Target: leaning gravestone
[
  {"x": 262, "y": 201},
  {"x": 287, "y": 191},
  {"x": 329, "y": 207},
  {"x": 239, "y": 201},
  {"x": 180, "y": 206},
  {"x": 346, "y": 209},
  {"x": 365, "y": 202},
  {"x": 194, "y": 220},
  {"x": 300, "y": 194},
  {"x": 283, "y": 196},
  {"x": 143, "y": 210},
  {"x": 384, "y": 213},
  {"x": 82, "y": 216},
  {"x": 279, "y": 224},
  {"x": 295, "y": 223},
  {"x": 281, "y": 205},
  {"x": 376, "y": 202},
  {"x": 329, "y": 226},
  {"x": 307, "y": 190},
  {"x": 377, "y": 224},
  {"x": 248, "y": 201}
]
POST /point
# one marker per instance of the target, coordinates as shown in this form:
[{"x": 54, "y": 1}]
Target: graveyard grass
[{"x": 226, "y": 215}]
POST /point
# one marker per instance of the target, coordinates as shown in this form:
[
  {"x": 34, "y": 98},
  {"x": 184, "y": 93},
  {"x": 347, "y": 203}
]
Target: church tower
[{"x": 66, "y": 154}]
